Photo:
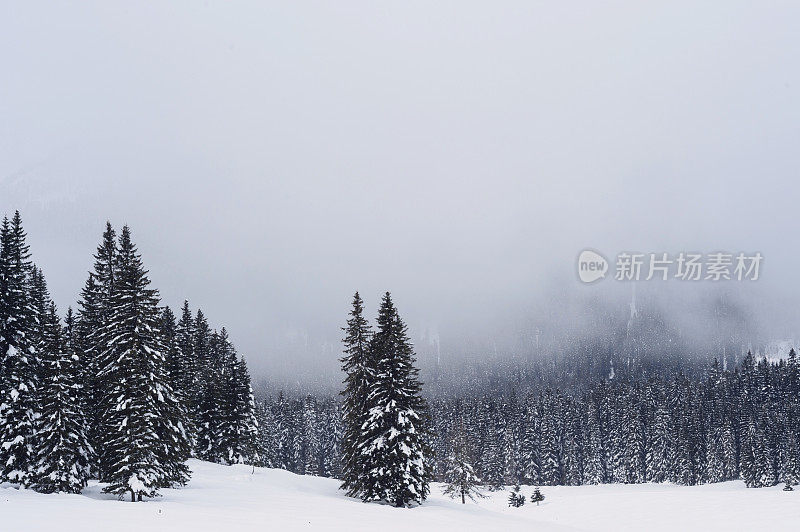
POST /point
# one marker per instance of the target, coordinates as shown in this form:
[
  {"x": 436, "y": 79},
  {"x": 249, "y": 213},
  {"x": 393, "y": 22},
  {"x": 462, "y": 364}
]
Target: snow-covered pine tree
[
  {"x": 493, "y": 449},
  {"x": 511, "y": 440},
  {"x": 202, "y": 359},
  {"x": 530, "y": 440},
  {"x": 537, "y": 496},
  {"x": 87, "y": 321},
  {"x": 245, "y": 412},
  {"x": 296, "y": 444},
  {"x": 550, "y": 441},
  {"x": 682, "y": 459},
  {"x": 240, "y": 432},
  {"x": 311, "y": 437},
  {"x": 265, "y": 444},
  {"x": 659, "y": 447},
  {"x": 593, "y": 471},
  {"x": 185, "y": 371},
  {"x": 460, "y": 477},
  {"x": 633, "y": 434},
  {"x": 764, "y": 461},
  {"x": 573, "y": 447},
  {"x": 228, "y": 430},
  {"x": 358, "y": 367},
  {"x": 284, "y": 433},
  {"x": 332, "y": 432},
  {"x": 393, "y": 448},
  {"x": 227, "y": 427},
  {"x": 747, "y": 455},
  {"x": 143, "y": 439},
  {"x": 62, "y": 448},
  {"x": 211, "y": 409},
  {"x": 180, "y": 370},
  {"x": 515, "y": 498},
  {"x": 92, "y": 339},
  {"x": 789, "y": 461},
  {"x": 18, "y": 372},
  {"x": 442, "y": 427}
]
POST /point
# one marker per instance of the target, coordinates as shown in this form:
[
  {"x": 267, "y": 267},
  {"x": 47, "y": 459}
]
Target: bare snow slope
[{"x": 234, "y": 499}]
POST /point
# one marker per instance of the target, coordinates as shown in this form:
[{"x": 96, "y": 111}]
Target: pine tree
[
  {"x": 530, "y": 442},
  {"x": 311, "y": 437},
  {"x": 62, "y": 448},
  {"x": 92, "y": 337},
  {"x": 358, "y": 367},
  {"x": 205, "y": 368},
  {"x": 241, "y": 445},
  {"x": 747, "y": 456},
  {"x": 245, "y": 412},
  {"x": 593, "y": 449},
  {"x": 332, "y": 432},
  {"x": 633, "y": 454},
  {"x": 460, "y": 477},
  {"x": 659, "y": 447},
  {"x": 396, "y": 467},
  {"x": 515, "y": 499},
  {"x": 185, "y": 369},
  {"x": 18, "y": 371},
  {"x": 144, "y": 441},
  {"x": 284, "y": 431},
  {"x": 790, "y": 472},
  {"x": 573, "y": 446},
  {"x": 227, "y": 428},
  {"x": 212, "y": 402},
  {"x": 265, "y": 444},
  {"x": 537, "y": 496},
  {"x": 550, "y": 441}
]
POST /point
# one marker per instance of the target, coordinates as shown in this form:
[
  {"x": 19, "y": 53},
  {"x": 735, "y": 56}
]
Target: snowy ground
[{"x": 233, "y": 499}]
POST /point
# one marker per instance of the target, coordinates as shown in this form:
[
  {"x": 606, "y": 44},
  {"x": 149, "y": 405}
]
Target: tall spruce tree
[
  {"x": 393, "y": 447},
  {"x": 234, "y": 413},
  {"x": 185, "y": 371},
  {"x": 359, "y": 370},
  {"x": 144, "y": 441},
  {"x": 243, "y": 448},
  {"x": 210, "y": 409},
  {"x": 18, "y": 356},
  {"x": 93, "y": 337},
  {"x": 205, "y": 366},
  {"x": 62, "y": 448}
]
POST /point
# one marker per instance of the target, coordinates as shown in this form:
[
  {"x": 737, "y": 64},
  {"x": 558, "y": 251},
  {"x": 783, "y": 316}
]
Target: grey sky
[{"x": 271, "y": 158}]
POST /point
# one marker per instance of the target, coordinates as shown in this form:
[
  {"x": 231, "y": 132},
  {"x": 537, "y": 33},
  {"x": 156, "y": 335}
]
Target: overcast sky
[{"x": 273, "y": 157}]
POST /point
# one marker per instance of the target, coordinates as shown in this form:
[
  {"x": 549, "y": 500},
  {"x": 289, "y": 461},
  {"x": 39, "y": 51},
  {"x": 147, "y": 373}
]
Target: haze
[{"x": 272, "y": 158}]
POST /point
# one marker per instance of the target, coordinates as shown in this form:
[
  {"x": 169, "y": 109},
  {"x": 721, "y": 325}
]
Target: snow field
[{"x": 240, "y": 498}]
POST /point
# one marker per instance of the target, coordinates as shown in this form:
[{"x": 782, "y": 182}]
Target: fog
[{"x": 272, "y": 158}]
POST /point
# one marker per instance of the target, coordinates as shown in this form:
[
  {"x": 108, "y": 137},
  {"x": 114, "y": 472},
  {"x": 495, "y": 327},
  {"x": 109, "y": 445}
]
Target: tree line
[
  {"x": 119, "y": 390},
  {"x": 739, "y": 423}
]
